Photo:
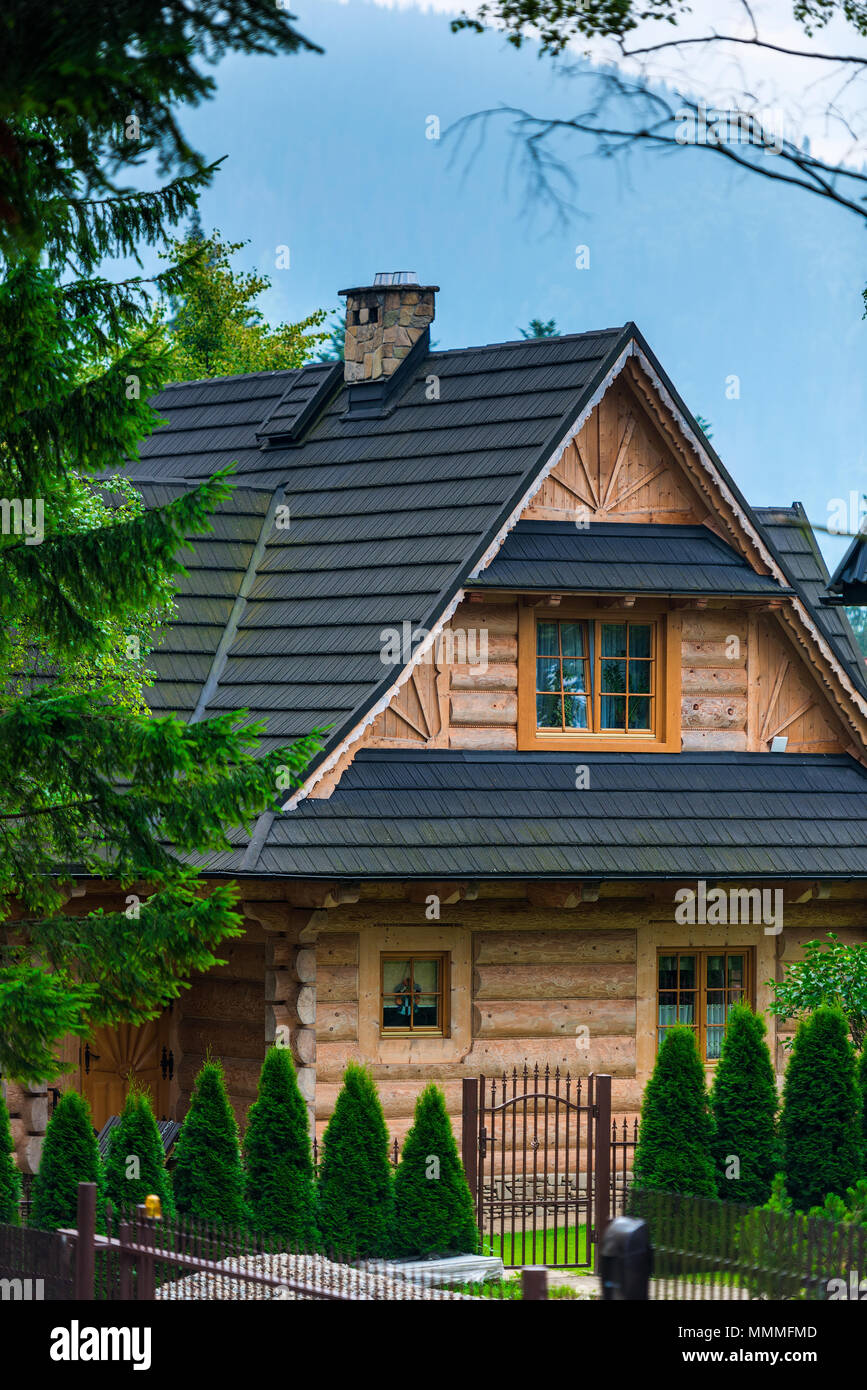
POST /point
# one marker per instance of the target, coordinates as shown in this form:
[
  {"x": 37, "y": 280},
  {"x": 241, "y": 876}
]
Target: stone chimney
[{"x": 384, "y": 321}]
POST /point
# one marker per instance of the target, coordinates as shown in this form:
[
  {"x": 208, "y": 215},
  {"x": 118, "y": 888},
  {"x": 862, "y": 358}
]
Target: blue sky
[{"x": 725, "y": 274}]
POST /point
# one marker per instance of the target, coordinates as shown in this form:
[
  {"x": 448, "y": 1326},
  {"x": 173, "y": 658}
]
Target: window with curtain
[
  {"x": 413, "y": 993},
  {"x": 698, "y": 988}
]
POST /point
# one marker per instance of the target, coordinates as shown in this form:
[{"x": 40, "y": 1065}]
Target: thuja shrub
[
  {"x": 862, "y": 1087},
  {"x": 207, "y": 1177},
  {"x": 743, "y": 1106},
  {"x": 820, "y": 1125},
  {"x": 278, "y": 1164},
  {"x": 10, "y": 1178},
  {"x": 136, "y": 1164},
  {"x": 433, "y": 1207},
  {"x": 355, "y": 1180},
  {"x": 674, "y": 1138},
  {"x": 69, "y": 1156}
]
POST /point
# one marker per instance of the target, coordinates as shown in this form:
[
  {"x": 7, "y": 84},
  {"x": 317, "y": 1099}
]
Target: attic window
[
  {"x": 595, "y": 678},
  {"x": 595, "y": 675}
]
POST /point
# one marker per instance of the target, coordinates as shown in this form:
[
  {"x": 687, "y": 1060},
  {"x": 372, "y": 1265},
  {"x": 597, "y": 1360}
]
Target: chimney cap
[{"x": 391, "y": 279}]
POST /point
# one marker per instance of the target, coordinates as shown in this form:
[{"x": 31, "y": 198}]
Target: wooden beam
[
  {"x": 447, "y": 891},
  {"x": 562, "y": 896},
  {"x": 618, "y": 601}
]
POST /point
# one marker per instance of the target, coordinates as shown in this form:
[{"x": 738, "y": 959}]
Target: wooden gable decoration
[{"x": 619, "y": 468}]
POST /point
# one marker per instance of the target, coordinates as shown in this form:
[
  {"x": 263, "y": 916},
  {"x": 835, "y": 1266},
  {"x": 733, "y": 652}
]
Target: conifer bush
[
  {"x": 433, "y": 1207},
  {"x": 207, "y": 1177},
  {"x": 278, "y": 1164},
  {"x": 355, "y": 1182},
  {"x": 862, "y": 1087},
  {"x": 744, "y": 1105},
  {"x": 136, "y": 1164},
  {"x": 10, "y": 1178},
  {"x": 674, "y": 1139},
  {"x": 70, "y": 1155},
  {"x": 820, "y": 1125}
]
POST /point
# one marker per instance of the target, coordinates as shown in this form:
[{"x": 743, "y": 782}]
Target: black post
[{"x": 534, "y": 1282}]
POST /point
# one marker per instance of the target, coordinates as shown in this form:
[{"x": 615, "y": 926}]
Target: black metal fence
[
  {"x": 34, "y": 1265},
  {"x": 707, "y": 1249},
  {"x": 142, "y": 1258}
]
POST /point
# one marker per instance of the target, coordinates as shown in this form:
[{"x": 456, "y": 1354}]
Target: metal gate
[{"x": 536, "y": 1151}]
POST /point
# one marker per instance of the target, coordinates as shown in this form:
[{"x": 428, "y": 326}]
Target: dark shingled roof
[
  {"x": 446, "y": 814},
  {"x": 850, "y": 577},
  {"x": 387, "y": 515},
  {"x": 390, "y": 516},
  {"x": 622, "y": 557},
  {"x": 791, "y": 536}
]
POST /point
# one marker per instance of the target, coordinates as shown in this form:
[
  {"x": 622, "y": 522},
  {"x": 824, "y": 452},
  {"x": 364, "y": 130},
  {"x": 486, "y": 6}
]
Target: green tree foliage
[
  {"x": 540, "y": 328},
  {"x": 278, "y": 1164},
  {"x": 69, "y": 1156},
  {"x": 91, "y": 785},
  {"x": 831, "y": 972},
  {"x": 674, "y": 1138},
  {"x": 433, "y": 1208},
  {"x": 355, "y": 1179},
  {"x": 135, "y": 1167},
  {"x": 10, "y": 1178},
  {"x": 744, "y": 1106},
  {"x": 335, "y": 340},
  {"x": 858, "y": 618},
  {"x": 207, "y": 1178},
  {"x": 820, "y": 1123},
  {"x": 213, "y": 325}
]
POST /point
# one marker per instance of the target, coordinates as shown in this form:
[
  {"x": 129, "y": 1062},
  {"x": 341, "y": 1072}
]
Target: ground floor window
[
  {"x": 413, "y": 993},
  {"x": 698, "y": 988}
]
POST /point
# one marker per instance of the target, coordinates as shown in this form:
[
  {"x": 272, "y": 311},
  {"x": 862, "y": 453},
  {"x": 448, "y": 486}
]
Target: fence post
[
  {"x": 84, "y": 1243},
  {"x": 145, "y": 1287},
  {"x": 602, "y": 1157},
  {"x": 470, "y": 1135},
  {"x": 534, "y": 1282}
]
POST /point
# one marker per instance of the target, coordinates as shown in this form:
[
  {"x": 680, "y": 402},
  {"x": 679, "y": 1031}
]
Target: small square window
[{"x": 413, "y": 993}]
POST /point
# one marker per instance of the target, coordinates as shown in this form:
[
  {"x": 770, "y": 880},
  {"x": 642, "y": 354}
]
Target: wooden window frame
[
  {"x": 664, "y": 737},
  {"x": 443, "y": 993},
  {"x": 701, "y": 954}
]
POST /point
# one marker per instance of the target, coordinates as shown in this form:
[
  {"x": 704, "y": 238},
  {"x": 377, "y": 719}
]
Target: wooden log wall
[
  {"x": 224, "y": 1012},
  {"x": 549, "y": 987},
  {"x": 741, "y": 683}
]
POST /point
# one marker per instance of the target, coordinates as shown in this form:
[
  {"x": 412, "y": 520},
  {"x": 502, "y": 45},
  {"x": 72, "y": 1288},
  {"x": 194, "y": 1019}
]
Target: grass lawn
[{"x": 556, "y": 1248}]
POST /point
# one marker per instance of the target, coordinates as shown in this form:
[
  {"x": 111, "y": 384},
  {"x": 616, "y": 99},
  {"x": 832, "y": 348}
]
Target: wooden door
[{"x": 112, "y": 1058}]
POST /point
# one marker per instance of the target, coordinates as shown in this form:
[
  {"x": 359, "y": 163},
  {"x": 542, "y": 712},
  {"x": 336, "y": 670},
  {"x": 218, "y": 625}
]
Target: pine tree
[
  {"x": 355, "y": 1180},
  {"x": 674, "y": 1139},
  {"x": 79, "y": 359},
  {"x": 433, "y": 1207},
  {"x": 69, "y": 1156},
  {"x": 278, "y": 1164},
  {"x": 820, "y": 1124},
  {"x": 744, "y": 1105},
  {"x": 207, "y": 1177},
  {"x": 135, "y": 1167},
  {"x": 10, "y": 1178}
]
